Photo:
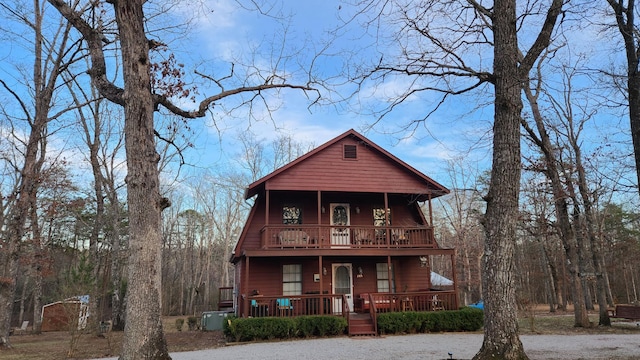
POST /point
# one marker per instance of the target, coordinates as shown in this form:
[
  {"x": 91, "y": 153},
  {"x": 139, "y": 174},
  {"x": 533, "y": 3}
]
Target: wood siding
[{"x": 329, "y": 171}]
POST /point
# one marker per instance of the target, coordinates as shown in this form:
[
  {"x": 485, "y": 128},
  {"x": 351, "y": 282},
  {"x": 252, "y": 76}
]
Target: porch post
[
  {"x": 430, "y": 210},
  {"x": 387, "y": 221},
  {"x": 321, "y": 300},
  {"x": 319, "y": 236},
  {"x": 389, "y": 271},
  {"x": 245, "y": 290},
  {"x": 455, "y": 278},
  {"x": 266, "y": 207}
]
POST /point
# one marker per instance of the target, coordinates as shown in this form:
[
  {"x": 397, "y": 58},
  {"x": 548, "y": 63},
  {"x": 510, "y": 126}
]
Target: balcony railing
[
  {"x": 326, "y": 236},
  {"x": 330, "y": 304}
]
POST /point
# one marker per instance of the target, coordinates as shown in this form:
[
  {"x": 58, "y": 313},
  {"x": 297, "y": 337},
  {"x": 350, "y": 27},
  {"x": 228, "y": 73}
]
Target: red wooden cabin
[{"x": 340, "y": 231}]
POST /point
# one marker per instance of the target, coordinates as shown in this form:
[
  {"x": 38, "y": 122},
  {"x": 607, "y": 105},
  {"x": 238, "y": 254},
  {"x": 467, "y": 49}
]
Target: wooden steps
[{"x": 361, "y": 325}]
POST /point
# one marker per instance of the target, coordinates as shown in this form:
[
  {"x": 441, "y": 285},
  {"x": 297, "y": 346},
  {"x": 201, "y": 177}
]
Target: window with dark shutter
[{"x": 350, "y": 152}]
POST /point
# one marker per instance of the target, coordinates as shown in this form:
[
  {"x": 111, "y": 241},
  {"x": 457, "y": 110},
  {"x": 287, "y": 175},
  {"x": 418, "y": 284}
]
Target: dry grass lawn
[{"x": 56, "y": 345}]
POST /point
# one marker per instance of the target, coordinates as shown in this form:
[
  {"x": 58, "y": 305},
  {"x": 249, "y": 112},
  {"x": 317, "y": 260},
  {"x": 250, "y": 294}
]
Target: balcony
[{"x": 346, "y": 237}]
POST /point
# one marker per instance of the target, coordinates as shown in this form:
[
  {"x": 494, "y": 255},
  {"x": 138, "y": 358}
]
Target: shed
[{"x": 60, "y": 315}]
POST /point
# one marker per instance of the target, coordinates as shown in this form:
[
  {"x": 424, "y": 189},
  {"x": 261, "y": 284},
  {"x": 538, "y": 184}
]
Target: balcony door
[
  {"x": 342, "y": 283},
  {"x": 340, "y": 221}
]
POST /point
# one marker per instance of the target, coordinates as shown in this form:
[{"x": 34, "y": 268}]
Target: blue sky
[{"x": 222, "y": 33}]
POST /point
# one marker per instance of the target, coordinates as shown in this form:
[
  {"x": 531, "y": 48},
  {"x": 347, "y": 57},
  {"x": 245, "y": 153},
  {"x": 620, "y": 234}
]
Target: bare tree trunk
[
  {"x": 590, "y": 221},
  {"x": 566, "y": 230},
  {"x": 145, "y": 338},
  {"x": 549, "y": 275},
  {"x": 625, "y": 19},
  {"x": 501, "y": 338},
  {"x": 23, "y": 296}
]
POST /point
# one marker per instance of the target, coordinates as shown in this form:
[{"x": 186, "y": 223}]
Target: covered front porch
[
  {"x": 337, "y": 305},
  {"x": 337, "y": 285}
]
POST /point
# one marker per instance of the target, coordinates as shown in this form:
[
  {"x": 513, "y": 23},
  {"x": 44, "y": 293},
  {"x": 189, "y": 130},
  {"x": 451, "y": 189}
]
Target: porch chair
[
  {"x": 362, "y": 236},
  {"x": 284, "y": 306},
  {"x": 259, "y": 309},
  {"x": 22, "y": 329},
  {"x": 436, "y": 303}
]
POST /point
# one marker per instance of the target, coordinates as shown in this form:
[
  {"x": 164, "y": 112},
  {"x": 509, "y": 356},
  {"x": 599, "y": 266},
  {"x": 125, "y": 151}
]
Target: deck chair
[
  {"x": 284, "y": 306},
  {"x": 22, "y": 329},
  {"x": 259, "y": 309},
  {"x": 436, "y": 303}
]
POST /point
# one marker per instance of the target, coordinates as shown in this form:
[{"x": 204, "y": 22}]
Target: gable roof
[{"x": 435, "y": 189}]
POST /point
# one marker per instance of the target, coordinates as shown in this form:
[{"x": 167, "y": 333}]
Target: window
[
  {"x": 383, "y": 276},
  {"x": 291, "y": 215},
  {"x": 350, "y": 152},
  {"x": 292, "y": 279},
  {"x": 379, "y": 218}
]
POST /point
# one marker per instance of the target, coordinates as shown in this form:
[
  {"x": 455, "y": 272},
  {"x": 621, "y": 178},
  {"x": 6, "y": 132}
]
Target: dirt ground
[{"x": 57, "y": 344}]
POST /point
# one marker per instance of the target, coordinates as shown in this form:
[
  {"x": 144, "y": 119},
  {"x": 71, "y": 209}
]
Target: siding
[{"x": 328, "y": 171}]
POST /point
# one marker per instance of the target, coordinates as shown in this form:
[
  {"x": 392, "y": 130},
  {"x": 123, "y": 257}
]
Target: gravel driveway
[{"x": 425, "y": 347}]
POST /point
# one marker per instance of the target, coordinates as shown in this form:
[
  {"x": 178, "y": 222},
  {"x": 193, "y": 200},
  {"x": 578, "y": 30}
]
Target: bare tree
[
  {"x": 144, "y": 334},
  {"x": 53, "y": 53},
  {"x": 625, "y": 14},
  {"x": 460, "y": 216},
  {"x": 553, "y": 171},
  {"x": 438, "y": 46}
]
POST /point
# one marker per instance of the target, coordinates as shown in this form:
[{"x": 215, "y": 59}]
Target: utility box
[{"x": 213, "y": 320}]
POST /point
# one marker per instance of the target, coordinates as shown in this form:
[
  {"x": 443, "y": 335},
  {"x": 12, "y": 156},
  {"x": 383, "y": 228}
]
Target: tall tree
[
  {"x": 553, "y": 171},
  {"x": 144, "y": 336},
  {"x": 53, "y": 53},
  {"x": 438, "y": 46},
  {"x": 625, "y": 15}
]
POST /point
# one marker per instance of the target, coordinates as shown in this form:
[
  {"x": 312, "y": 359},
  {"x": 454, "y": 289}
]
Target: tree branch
[{"x": 210, "y": 101}]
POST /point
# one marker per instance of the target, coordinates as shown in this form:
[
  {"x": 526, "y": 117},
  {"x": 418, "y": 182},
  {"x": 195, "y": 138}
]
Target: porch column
[
  {"x": 430, "y": 210},
  {"x": 245, "y": 290},
  {"x": 389, "y": 271},
  {"x": 455, "y": 279},
  {"x": 319, "y": 236},
  {"x": 266, "y": 207},
  {"x": 387, "y": 221},
  {"x": 321, "y": 300}
]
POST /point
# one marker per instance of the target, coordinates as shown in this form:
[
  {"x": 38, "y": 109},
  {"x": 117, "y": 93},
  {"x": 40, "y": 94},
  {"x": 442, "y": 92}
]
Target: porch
[
  {"x": 337, "y": 305},
  {"x": 346, "y": 236},
  {"x": 362, "y": 319}
]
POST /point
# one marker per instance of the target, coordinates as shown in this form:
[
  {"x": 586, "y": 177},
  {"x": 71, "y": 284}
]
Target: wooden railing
[
  {"x": 297, "y": 305},
  {"x": 326, "y": 236},
  {"x": 337, "y": 305},
  {"x": 373, "y": 313},
  {"x": 225, "y": 297},
  {"x": 412, "y": 301}
]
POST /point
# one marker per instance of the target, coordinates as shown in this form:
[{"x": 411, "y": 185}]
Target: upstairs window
[
  {"x": 380, "y": 218},
  {"x": 291, "y": 215},
  {"x": 350, "y": 152}
]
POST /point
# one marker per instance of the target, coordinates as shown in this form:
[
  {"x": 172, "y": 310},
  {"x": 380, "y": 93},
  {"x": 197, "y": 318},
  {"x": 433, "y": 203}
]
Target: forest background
[{"x": 76, "y": 235}]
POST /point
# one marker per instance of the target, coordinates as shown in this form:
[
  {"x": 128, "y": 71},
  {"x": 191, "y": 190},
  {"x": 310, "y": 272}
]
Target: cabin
[{"x": 341, "y": 231}]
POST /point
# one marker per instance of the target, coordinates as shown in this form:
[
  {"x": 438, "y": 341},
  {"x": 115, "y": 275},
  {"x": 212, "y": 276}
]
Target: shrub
[
  {"x": 465, "y": 319},
  {"x": 192, "y": 323},
  {"x": 179, "y": 323},
  {"x": 267, "y": 328}
]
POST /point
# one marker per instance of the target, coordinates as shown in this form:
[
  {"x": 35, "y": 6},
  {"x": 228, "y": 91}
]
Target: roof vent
[{"x": 350, "y": 152}]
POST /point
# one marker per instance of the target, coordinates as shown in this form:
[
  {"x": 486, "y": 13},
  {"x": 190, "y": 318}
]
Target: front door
[
  {"x": 340, "y": 221},
  {"x": 343, "y": 285}
]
